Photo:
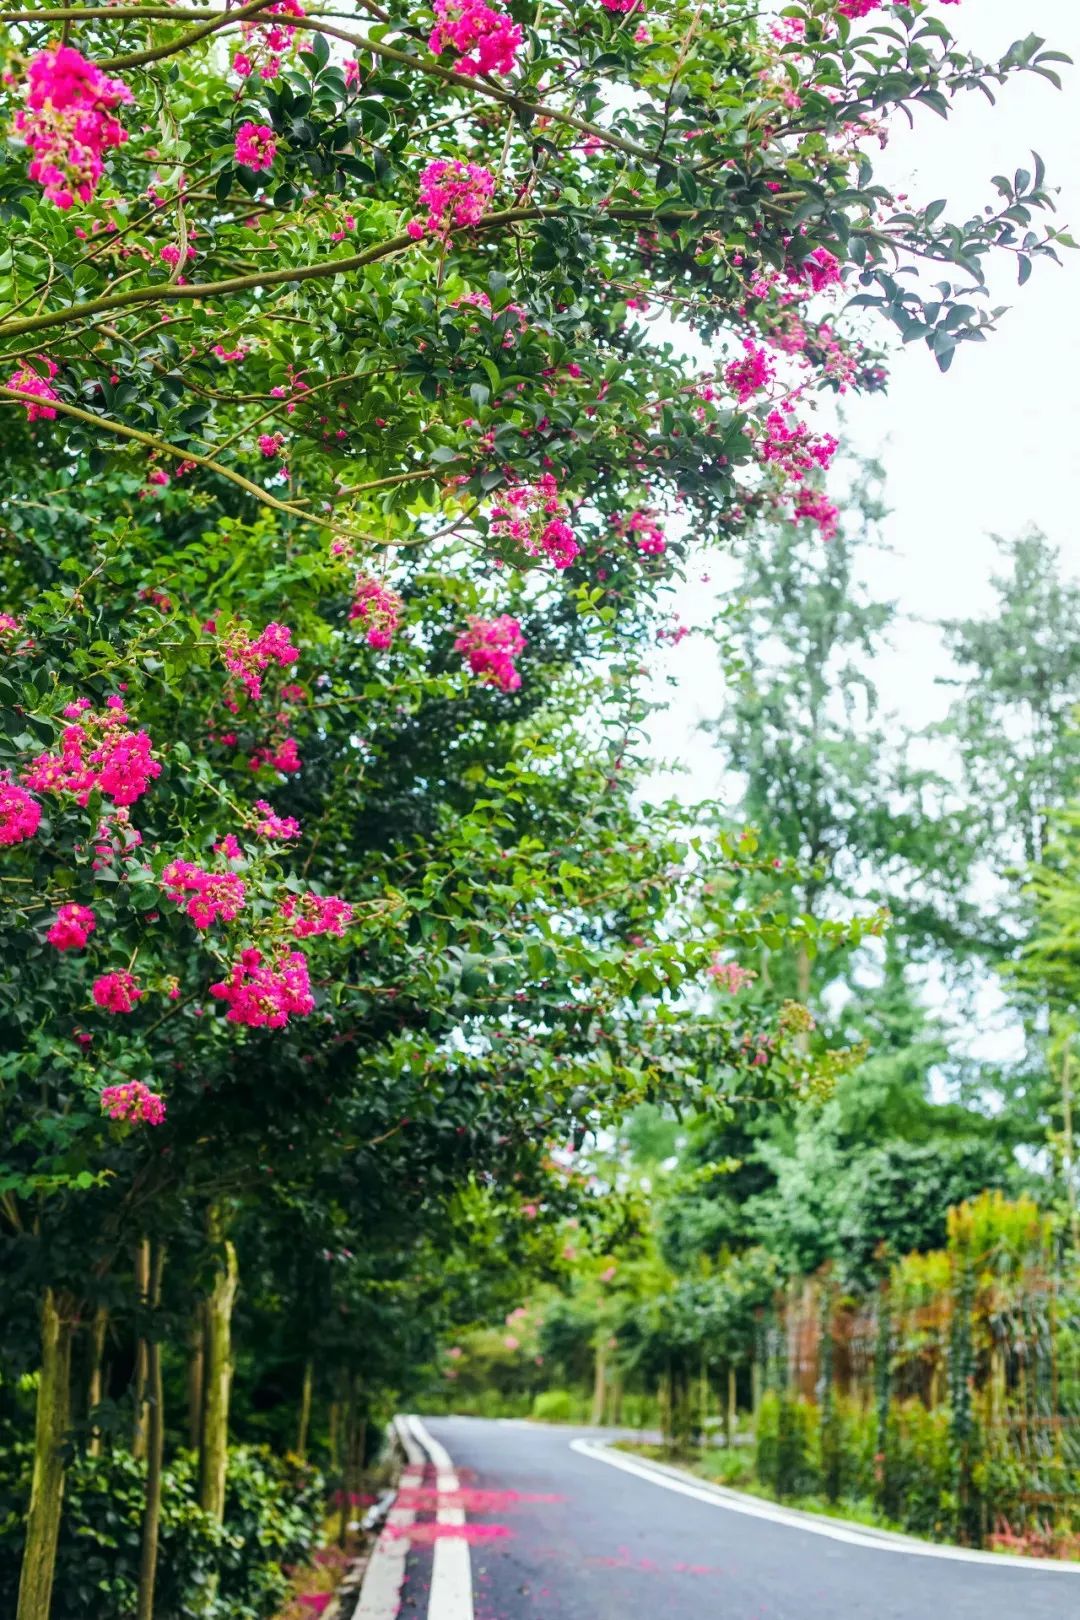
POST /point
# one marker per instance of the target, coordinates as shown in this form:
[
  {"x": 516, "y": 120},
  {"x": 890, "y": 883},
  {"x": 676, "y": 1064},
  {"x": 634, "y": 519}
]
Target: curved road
[{"x": 555, "y": 1530}]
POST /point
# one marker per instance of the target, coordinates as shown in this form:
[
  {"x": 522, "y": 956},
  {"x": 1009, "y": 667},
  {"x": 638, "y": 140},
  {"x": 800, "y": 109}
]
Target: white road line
[
  {"x": 856, "y": 1536},
  {"x": 451, "y": 1568},
  {"x": 380, "y": 1594}
]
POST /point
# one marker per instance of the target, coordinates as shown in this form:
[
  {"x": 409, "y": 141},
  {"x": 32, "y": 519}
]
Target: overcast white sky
[{"x": 993, "y": 445}]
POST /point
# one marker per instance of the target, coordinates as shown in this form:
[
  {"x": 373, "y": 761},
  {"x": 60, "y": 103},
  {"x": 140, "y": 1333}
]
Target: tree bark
[
  {"x": 731, "y": 1410},
  {"x": 155, "y": 1452},
  {"x": 195, "y": 1368},
  {"x": 47, "y": 1483},
  {"x": 142, "y": 1289},
  {"x": 599, "y": 1398},
  {"x": 304, "y": 1422},
  {"x": 94, "y": 1379},
  {"x": 1068, "y": 1155},
  {"x": 214, "y": 1450}
]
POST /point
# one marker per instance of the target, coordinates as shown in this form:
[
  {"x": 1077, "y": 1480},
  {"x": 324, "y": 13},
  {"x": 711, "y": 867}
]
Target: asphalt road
[{"x": 561, "y": 1534}]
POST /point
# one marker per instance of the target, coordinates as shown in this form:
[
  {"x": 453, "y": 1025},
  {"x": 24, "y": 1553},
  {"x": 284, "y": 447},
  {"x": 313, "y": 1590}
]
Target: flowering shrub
[
  {"x": 262, "y": 994},
  {"x": 486, "y": 41},
  {"x": 73, "y": 926},
  {"x": 455, "y": 194},
  {"x": 491, "y": 645},
  {"x": 116, "y": 992},
  {"x": 68, "y": 123},
  {"x": 133, "y": 1102}
]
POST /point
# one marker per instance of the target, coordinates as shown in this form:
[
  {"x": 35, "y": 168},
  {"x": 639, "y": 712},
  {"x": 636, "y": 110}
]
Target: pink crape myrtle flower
[
  {"x": 729, "y": 975},
  {"x": 750, "y": 375},
  {"x": 26, "y": 380},
  {"x": 379, "y": 610},
  {"x": 19, "y": 814},
  {"x": 98, "y": 751},
  {"x": 72, "y": 928},
  {"x": 271, "y": 825},
  {"x": 205, "y": 896},
  {"x": 455, "y": 194},
  {"x": 491, "y": 645},
  {"x": 249, "y": 658},
  {"x": 643, "y": 530},
  {"x": 116, "y": 992},
  {"x": 316, "y": 914},
  {"x": 816, "y": 507},
  {"x": 820, "y": 270},
  {"x": 68, "y": 123},
  {"x": 486, "y": 41},
  {"x": 256, "y": 146},
  {"x": 281, "y": 756},
  {"x": 621, "y": 5},
  {"x": 133, "y": 1102},
  {"x": 792, "y": 448},
  {"x": 265, "y": 995},
  {"x": 535, "y": 517}
]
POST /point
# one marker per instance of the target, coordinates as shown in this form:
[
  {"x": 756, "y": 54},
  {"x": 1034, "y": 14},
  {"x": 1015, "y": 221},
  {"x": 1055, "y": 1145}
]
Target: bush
[
  {"x": 788, "y": 1453},
  {"x": 553, "y": 1406},
  {"x": 272, "y": 1516}
]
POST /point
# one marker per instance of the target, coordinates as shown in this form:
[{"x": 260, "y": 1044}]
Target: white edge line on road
[
  {"x": 380, "y": 1592},
  {"x": 451, "y": 1566},
  {"x": 734, "y": 1502}
]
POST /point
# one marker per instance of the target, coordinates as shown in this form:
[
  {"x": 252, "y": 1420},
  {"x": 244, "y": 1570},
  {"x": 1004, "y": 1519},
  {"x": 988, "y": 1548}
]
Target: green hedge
[{"x": 206, "y": 1571}]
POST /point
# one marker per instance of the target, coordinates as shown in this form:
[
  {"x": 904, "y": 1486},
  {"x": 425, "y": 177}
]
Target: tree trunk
[
  {"x": 142, "y": 1289},
  {"x": 94, "y": 1378},
  {"x": 1068, "y": 1157},
  {"x": 155, "y": 1451},
  {"x": 304, "y": 1422},
  {"x": 214, "y": 1450},
  {"x": 348, "y": 1447},
  {"x": 47, "y": 1483},
  {"x": 335, "y": 1435},
  {"x": 731, "y": 1409},
  {"x": 599, "y": 1397},
  {"x": 195, "y": 1368}
]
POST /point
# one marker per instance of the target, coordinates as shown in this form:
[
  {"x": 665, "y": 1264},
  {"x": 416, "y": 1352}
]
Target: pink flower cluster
[
  {"x": 205, "y": 896},
  {"x": 266, "y": 995},
  {"x": 455, "y": 195},
  {"x": 72, "y": 928},
  {"x": 621, "y": 5},
  {"x": 133, "y": 1102},
  {"x": 19, "y": 814},
  {"x": 272, "y": 825},
  {"x": 491, "y": 645},
  {"x": 68, "y": 123},
  {"x": 815, "y": 506},
  {"x": 266, "y": 44},
  {"x": 486, "y": 41},
  {"x": 793, "y": 448},
  {"x": 379, "y": 610},
  {"x": 750, "y": 375},
  {"x": 819, "y": 270},
  {"x": 281, "y": 756},
  {"x": 730, "y": 976},
  {"x": 534, "y": 516},
  {"x": 116, "y": 992},
  {"x": 256, "y": 146},
  {"x": 480, "y": 300},
  {"x": 644, "y": 531},
  {"x": 99, "y": 752},
  {"x": 249, "y": 659},
  {"x": 28, "y": 381},
  {"x": 316, "y": 914}
]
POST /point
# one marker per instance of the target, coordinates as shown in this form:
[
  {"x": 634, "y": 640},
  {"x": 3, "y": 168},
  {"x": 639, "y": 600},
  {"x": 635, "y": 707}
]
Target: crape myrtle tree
[{"x": 341, "y": 447}]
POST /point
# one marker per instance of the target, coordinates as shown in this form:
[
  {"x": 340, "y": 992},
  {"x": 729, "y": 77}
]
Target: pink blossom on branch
[
  {"x": 249, "y": 658},
  {"x": 19, "y": 814},
  {"x": 265, "y": 995},
  {"x": 535, "y": 516},
  {"x": 205, "y": 896},
  {"x": 100, "y": 752},
  {"x": 316, "y": 914},
  {"x": 730, "y": 976},
  {"x": 455, "y": 194},
  {"x": 72, "y": 928},
  {"x": 116, "y": 992},
  {"x": 28, "y": 381},
  {"x": 271, "y": 825},
  {"x": 68, "y": 123},
  {"x": 491, "y": 645},
  {"x": 750, "y": 375},
  {"x": 486, "y": 41},
  {"x": 133, "y": 1102},
  {"x": 256, "y": 146},
  {"x": 815, "y": 506},
  {"x": 379, "y": 610}
]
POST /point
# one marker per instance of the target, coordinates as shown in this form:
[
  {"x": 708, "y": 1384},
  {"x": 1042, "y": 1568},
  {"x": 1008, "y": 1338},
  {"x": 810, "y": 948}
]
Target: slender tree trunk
[
  {"x": 195, "y": 1379},
  {"x": 731, "y": 1410},
  {"x": 98, "y": 1331},
  {"x": 142, "y": 1290},
  {"x": 304, "y": 1422},
  {"x": 214, "y": 1450},
  {"x": 616, "y": 1399},
  {"x": 348, "y": 1446},
  {"x": 155, "y": 1452},
  {"x": 335, "y": 1435},
  {"x": 47, "y": 1483},
  {"x": 599, "y": 1396},
  {"x": 1068, "y": 1156}
]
